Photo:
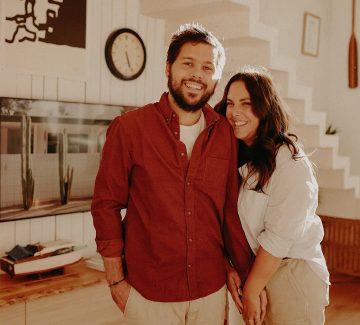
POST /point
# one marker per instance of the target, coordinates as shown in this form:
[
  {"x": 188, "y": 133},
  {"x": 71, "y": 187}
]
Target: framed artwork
[
  {"x": 50, "y": 153},
  {"x": 44, "y": 36},
  {"x": 311, "y": 35}
]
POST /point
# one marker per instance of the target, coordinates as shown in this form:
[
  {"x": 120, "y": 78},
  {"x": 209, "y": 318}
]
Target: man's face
[{"x": 192, "y": 76}]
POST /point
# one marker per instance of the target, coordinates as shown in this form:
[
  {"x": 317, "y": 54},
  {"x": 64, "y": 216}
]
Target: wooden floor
[{"x": 344, "y": 308}]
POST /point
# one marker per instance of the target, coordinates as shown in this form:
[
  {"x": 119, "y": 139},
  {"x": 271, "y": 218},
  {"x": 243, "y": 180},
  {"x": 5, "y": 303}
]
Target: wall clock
[{"x": 125, "y": 54}]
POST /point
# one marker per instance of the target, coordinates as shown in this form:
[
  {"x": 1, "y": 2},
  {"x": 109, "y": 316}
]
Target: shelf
[{"x": 25, "y": 288}]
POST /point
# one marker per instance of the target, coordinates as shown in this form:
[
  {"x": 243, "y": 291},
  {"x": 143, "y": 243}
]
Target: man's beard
[{"x": 181, "y": 101}]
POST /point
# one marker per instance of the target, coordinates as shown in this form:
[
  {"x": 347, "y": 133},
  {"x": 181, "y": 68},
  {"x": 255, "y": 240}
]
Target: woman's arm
[{"x": 264, "y": 267}]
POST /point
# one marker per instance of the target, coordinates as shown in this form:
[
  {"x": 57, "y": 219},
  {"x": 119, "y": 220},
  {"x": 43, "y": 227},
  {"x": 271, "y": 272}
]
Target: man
[{"x": 172, "y": 165}]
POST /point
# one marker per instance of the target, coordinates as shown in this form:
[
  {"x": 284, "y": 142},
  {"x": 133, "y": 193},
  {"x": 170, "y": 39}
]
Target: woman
[{"x": 277, "y": 204}]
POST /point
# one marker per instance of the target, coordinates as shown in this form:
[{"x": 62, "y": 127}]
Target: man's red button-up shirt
[{"x": 181, "y": 215}]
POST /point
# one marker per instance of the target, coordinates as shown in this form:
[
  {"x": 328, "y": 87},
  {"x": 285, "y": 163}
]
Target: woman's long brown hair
[{"x": 273, "y": 127}]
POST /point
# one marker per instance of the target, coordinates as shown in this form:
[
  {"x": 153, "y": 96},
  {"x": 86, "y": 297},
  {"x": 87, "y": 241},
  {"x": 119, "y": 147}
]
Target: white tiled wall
[{"x": 98, "y": 86}]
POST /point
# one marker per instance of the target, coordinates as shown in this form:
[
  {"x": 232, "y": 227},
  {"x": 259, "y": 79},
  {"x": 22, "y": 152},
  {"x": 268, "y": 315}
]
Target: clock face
[{"x": 125, "y": 54}]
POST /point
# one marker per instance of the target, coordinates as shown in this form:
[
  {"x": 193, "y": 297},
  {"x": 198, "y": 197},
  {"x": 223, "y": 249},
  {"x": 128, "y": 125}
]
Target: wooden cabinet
[{"x": 79, "y": 296}]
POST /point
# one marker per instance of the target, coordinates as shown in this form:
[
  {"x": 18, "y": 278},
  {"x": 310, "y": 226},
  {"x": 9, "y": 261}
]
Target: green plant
[
  {"x": 331, "y": 131},
  {"x": 27, "y": 180},
  {"x": 65, "y": 178}
]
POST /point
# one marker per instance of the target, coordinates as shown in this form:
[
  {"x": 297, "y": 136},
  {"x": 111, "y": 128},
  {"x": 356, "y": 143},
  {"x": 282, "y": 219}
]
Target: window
[
  {"x": 52, "y": 143},
  {"x": 77, "y": 143}
]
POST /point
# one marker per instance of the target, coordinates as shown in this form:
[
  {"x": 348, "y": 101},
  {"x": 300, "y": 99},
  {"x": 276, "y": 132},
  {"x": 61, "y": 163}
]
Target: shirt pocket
[{"x": 216, "y": 172}]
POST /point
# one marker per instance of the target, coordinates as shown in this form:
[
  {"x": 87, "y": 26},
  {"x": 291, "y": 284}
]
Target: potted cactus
[
  {"x": 65, "y": 172},
  {"x": 27, "y": 180}
]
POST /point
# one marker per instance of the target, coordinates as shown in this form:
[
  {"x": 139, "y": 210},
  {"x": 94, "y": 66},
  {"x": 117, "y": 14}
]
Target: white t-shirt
[
  {"x": 284, "y": 221},
  {"x": 189, "y": 133}
]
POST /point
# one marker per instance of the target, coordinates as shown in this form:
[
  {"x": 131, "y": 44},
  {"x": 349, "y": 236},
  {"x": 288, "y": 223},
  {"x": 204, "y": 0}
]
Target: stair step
[
  {"x": 309, "y": 135},
  {"x": 283, "y": 63},
  {"x": 299, "y": 91},
  {"x": 327, "y": 158},
  {"x": 190, "y": 9},
  {"x": 317, "y": 118},
  {"x": 296, "y": 108},
  {"x": 224, "y": 25},
  {"x": 337, "y": 179},
  {"x": 353, "y": 181},
  {"x": 328, "y": 140},
  {"x": 281, "y": 80},
  {"x": 339, "y": 203},
  {"x": 242, "y": 53},
  {"x": 311, "y": 118}
]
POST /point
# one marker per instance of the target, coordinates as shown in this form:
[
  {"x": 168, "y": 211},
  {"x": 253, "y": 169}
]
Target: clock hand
[{"x": 128, "y": 60}]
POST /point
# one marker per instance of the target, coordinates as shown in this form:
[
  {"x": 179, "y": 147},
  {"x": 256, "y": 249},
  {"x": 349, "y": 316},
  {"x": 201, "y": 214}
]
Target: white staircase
[{"x": 247, "y": 41}]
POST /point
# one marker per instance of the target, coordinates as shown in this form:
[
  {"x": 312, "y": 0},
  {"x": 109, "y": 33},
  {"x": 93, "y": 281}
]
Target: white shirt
[
  {"x": 189, "y": 133},
  {"x": 284, "y": 221}
]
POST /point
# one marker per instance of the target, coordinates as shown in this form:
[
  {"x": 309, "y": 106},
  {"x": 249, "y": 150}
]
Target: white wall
[
  {"x": 343, "y": 103},
  {"x": 95, "y": 85},
  {"x": 327, "y": 73}
]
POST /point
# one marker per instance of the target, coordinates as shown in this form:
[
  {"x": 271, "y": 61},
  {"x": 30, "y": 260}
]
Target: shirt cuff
[
  {"x": 110, "y": 248},
  {"x": 275, "y": 245}
]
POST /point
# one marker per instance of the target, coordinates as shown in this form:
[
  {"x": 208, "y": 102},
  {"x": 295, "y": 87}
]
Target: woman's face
[{"x": 240, "y": 114}]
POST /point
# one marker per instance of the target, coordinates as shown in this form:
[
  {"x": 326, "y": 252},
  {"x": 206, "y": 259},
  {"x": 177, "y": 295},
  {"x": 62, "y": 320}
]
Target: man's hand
[
  {"x": 114, "y": 273},
  {"x": 120, "y": 294},
  {"x": 233, "y": 283}
]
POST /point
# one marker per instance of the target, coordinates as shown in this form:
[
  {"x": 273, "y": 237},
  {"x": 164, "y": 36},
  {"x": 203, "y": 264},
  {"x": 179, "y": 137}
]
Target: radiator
[{"x": 341, "y": 245}]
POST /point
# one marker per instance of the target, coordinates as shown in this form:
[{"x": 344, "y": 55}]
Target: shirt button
[
  {"x": 173, "y": 115},
  {"x": 189, "y": 212},
  {"x": 182, "y": 154},
  {"x": 188, "y": 183},
  {"x": 175, "y": 132},
  {"x": 189, "y": 266},
  {"x": 190, "y": 240}
]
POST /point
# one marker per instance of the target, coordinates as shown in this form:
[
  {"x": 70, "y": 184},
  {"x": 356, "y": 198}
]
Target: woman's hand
[
  {"x": 252, "y": 310},
  {"x": 255, "y": 308},
  {"x": 254, "y": 299}
]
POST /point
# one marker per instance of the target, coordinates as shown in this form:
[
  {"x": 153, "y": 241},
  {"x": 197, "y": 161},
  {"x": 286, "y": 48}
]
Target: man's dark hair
[{"x": 195, "y": 33}]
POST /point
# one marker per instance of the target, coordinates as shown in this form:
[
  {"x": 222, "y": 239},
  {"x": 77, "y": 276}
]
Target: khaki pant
[
  {"x": 296, "y": 296},
  {"x": 209, "y": 310}
]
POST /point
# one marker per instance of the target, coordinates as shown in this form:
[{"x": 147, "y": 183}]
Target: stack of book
[{"x": 48, "y": 256}]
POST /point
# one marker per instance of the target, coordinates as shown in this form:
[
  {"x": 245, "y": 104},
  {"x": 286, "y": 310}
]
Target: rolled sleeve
[
  {"x": 293, "y": 191},
  {"x": 110, "y": 248},
  {"x": 274, "y": 244}
]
